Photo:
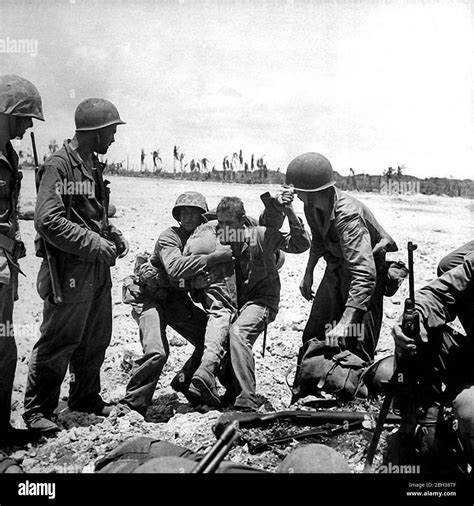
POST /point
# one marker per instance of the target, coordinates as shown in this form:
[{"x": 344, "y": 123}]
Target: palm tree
[{"x": 204, "y": 162}]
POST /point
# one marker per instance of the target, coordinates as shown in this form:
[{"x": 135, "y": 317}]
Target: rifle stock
[{"x": 50, "y": 257}]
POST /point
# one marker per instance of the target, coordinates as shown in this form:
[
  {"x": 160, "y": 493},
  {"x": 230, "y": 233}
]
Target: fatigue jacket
[
  {"x": 10, "y": 178},
  {"x": 257, "y": 276},
  {"x": 346, "y": 237},
  {"x": 75, "y": 238},
  {"x": 78, "y": 235},
  {"x": 441, "y": 300}
]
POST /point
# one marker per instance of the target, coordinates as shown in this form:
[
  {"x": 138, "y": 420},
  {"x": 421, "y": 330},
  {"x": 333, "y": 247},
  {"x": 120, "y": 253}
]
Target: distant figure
[{"x": 142, "y": 158}]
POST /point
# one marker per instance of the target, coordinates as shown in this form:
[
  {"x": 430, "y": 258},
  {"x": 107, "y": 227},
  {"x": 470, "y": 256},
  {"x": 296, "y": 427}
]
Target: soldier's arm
[
  {"x": 437, "y": 301},
  {"x": 357, "y": 251},
  {"x": 169, "y": 249},
  {"x": 297, "y": 240},
  {"x": 273, "y": 216},
  {"x": 53, "y": 226}
]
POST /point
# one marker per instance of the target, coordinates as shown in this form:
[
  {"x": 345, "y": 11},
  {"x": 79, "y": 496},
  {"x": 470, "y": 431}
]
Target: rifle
[
  {"x": 295, "y": 417},
  {"x": 403, "y": 380},
  {"x": 221, "y": 448},
  {"x": 52, "y": 262}
]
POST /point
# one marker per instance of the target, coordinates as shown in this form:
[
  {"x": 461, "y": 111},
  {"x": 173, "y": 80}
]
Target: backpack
[{"x": 328, "y": 369}]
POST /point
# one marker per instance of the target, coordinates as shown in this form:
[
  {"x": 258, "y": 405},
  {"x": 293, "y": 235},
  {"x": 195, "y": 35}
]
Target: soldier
[
  {"x": 353, "y": 244},
  {"x": 19, "y": 103},
  {"x": 445, "y": 358},
  {"x": 176, "y": 309},
  {"x": 258, "y": 285},
  {"x": 71, "y": 217}
]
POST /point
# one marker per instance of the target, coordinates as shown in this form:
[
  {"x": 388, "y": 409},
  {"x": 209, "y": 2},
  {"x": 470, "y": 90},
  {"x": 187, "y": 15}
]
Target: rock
[{"x": 177, "y": 341}]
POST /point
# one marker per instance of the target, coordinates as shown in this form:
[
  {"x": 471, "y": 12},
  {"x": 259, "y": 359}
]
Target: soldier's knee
[{"x": 463, "y": 406}]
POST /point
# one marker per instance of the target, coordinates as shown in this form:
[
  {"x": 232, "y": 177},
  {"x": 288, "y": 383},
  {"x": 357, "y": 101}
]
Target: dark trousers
[
  {"x": 75, "y": 333},
  {"x": 329, "y": 304},
  {"x": 8, "y": 352},
  {"x": 186, "y": 319}
]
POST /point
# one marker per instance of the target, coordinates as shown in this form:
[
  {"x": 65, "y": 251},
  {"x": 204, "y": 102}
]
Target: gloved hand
[
  {"x": 221, "y": 255},
  {"x": 107, "y": 252}
]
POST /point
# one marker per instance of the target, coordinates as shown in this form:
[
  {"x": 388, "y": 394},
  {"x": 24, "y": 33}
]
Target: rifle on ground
[
  {"x": 295, "y": 417},
  {"x": 403, "y": 382},
  {"x": 217, "y": 453},
  {"x": 52, "y": 262}
]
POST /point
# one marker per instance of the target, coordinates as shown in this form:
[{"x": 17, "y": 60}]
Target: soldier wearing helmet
[
  {"x": 20, "y": 102},
  {"x": 176, "y": 310},
  {"x": 353, "y": 244},
  {"x": 75, "y": 332}
]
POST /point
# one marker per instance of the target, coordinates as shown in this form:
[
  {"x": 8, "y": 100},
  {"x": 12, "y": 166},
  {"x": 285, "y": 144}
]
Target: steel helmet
[
  {"x": 314, "y": 458},
  {"x": 19, "y": 97},
  {"x": 379, "y": 373},
  {"x": 310, "y": 172},
  {"x": 95, "y": 113},
  {"x": 189, "y": 199}
]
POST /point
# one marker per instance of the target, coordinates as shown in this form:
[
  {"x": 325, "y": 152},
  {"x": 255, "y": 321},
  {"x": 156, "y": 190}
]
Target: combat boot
[{"x": 203, "y": 386}]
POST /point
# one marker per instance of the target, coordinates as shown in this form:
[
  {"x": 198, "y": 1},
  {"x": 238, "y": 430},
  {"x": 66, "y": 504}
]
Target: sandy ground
[{"x": 437, "y": 224}]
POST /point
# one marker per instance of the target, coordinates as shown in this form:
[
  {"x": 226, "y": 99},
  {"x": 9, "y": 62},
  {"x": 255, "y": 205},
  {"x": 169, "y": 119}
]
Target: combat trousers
[
  {"x": 220, "y": 302},
  {"x": 244, "y": 331},
  {"x": 75, "y": 333},
  {"x": 186, "y": 319},
  {"x": 8, "y": 351},
  {"x": 329, "y": 305}
]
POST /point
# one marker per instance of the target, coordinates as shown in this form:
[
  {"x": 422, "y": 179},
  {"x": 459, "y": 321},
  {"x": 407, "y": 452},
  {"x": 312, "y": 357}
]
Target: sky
[{"x": 369, "y": 84}]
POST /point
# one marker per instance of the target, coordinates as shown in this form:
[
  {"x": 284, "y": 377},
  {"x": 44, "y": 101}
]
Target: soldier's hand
[
  {"x": 306, "y": 286},
  {"x": 285, "y": 197},
  {"x": 337, "y": 336},
  {"x": 107, "y": 252},
  {"x": 403, "y": 343},
  {"x": 222, "y": 254}
]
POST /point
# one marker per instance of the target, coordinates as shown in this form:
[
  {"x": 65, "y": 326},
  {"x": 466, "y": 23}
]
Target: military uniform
[
  {"x": 10, "y": 179},
  {"x": 176, "y": 310},
  {"x": 77, "y": 332},
  {"x": 258, "y": 290},
  {"x": 19, "y": 102},
  {"x": 444, "y": 369},
  {"x": 354, "y": 276}
]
